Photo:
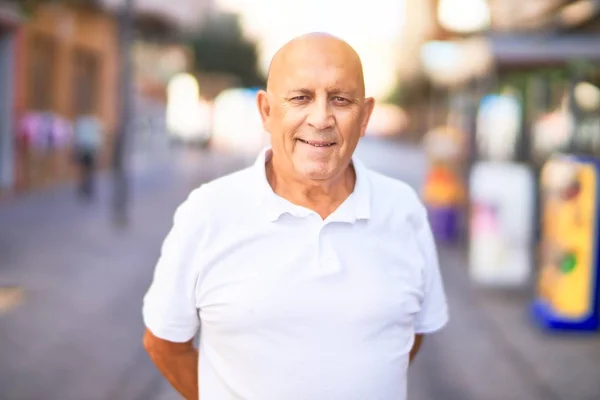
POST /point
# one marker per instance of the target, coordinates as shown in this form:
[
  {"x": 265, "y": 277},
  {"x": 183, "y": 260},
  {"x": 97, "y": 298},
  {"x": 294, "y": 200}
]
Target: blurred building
[
  {"x": 179, "y": 14},
  {"x": 67, "y": 62},
  {"x": 538, "y": 49},
  {"x": 60, "y": 59},
  {"x": 421, "y": 26},
  {"x": 520, "y": 81},
  {"x": 157, "y": 52}
]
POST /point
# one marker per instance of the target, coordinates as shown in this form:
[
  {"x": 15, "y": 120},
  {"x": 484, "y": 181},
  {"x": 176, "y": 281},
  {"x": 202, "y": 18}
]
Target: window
[
  {"x": 85, "y": 85},
  {"x": 41, "y": 72}
]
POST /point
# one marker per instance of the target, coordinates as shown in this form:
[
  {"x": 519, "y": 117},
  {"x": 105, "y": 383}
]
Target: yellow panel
[{"x": 569, "y": 228}]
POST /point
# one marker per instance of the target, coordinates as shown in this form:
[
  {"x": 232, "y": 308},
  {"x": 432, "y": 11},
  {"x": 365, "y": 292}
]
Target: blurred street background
[{"x": 112, "y": 111}]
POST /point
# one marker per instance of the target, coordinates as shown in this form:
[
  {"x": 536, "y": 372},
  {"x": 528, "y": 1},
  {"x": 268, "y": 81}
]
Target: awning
[
  {"x": 451, "y": 63},
  {"x": 532, "y": 50}
]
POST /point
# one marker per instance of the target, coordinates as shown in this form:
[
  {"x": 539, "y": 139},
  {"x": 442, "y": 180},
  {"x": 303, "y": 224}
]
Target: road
[{"x": 75, "y": 334}]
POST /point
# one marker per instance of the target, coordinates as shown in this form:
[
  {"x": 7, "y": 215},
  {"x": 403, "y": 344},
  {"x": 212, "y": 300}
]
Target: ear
[
  {"x": 264, "y": 108},
  {"x": 368, "y": 106}
]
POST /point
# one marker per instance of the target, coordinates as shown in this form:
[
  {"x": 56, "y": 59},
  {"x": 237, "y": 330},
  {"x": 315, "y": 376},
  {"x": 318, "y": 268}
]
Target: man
[
  {"x": 87, "y": 145},
  {"x": 307, "y": 275}
]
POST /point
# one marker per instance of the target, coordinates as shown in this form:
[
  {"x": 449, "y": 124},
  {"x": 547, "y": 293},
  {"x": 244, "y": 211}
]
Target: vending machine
[{"x": 569, "y": 279}]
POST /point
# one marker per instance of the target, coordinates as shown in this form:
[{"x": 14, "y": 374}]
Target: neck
[{"x": 323, "y": 197}]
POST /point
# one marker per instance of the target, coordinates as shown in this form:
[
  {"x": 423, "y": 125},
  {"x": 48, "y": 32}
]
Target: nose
[{"x": 320, "y": 116}]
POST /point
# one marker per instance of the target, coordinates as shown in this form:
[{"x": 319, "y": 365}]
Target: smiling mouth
[{"x": 318, "y": 143}]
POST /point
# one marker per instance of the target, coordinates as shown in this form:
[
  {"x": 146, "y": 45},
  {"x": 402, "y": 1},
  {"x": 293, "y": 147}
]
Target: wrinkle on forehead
[{"x": 316, "y": 49}]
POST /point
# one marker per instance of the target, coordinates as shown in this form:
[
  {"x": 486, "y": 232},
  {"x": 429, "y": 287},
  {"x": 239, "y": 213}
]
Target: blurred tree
[
  {"x": 398, "y": 95},
  {"x": 219, "y": 46},
  {"x": 406, "y": 93}
]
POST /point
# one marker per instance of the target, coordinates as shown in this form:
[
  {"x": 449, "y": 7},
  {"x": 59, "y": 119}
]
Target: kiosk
[{"x": 568, "y": 283}]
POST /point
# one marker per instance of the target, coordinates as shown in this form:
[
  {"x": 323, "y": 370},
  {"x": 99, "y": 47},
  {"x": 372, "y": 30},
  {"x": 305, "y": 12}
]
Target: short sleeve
[
  {"x": 433, "y": 315},
  {"x": 169, "y": 307}
]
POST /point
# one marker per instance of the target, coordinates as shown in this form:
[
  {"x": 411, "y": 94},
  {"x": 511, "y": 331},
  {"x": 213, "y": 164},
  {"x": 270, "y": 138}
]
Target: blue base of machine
[{"x": 547, "y": 319}]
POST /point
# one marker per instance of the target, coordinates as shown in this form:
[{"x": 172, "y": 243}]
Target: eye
[
  {"x": 340, "y": 100},
  {"x": 300, "y": 99}
]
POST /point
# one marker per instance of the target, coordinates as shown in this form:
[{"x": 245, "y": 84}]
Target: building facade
[
  {"x": 9, "y": 19},
  {"x": 61, "y": 60},
  {"x": 67, "y": 66}
]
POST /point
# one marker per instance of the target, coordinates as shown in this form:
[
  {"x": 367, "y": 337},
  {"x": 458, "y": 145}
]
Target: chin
[
  {"x": 316, "y": 171},
  {"x": 317, "y": 177}
]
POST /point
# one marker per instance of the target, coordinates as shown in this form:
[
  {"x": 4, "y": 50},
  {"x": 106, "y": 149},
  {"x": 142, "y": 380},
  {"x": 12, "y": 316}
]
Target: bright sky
[{"x": 373, "y": 28}]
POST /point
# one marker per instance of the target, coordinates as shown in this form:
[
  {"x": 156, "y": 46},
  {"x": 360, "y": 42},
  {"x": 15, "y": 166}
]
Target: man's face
[{"x": 315, "y": 110}]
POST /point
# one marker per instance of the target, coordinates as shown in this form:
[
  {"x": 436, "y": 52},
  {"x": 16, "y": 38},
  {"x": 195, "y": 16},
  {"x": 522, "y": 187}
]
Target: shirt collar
[{"x": 357, "y": 206}]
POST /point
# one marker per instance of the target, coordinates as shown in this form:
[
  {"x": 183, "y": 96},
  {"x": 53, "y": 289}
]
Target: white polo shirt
[{"x": 291, "y": 306}]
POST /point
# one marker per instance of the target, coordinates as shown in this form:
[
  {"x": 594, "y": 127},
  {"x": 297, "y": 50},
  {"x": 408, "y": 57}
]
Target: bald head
[{"x": 315, "y": 48}]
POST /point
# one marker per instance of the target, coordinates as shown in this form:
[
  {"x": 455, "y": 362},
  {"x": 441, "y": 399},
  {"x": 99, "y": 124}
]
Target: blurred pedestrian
[
  {"x": 307, "y": 275},
  {"x": 87, "y": 145}
]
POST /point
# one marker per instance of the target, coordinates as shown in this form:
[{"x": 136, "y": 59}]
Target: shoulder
[
  {"x": 226, "y": 194},
  {"x": 393, "y": 195}
]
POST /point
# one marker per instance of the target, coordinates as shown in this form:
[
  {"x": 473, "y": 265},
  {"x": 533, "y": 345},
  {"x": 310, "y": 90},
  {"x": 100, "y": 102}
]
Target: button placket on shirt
[{"x": 328, "y": 260}]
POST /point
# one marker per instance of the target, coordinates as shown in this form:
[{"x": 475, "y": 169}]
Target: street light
[{"x": 121, "y": 189}]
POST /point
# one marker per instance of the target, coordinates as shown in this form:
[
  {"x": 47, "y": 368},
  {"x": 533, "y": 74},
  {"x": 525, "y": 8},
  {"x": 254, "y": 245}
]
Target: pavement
[{"x": 73, "y": 330}]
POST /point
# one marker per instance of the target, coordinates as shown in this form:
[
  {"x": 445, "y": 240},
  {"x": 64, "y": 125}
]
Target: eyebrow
[
  {"x": 332, "y": 91},
  {"x": 301, "y": 90}
]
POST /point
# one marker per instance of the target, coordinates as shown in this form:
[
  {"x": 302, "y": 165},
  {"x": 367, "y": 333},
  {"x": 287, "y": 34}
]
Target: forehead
[
  {"x": 320, "y": 69},
  {"x": 314, "y": 77}
]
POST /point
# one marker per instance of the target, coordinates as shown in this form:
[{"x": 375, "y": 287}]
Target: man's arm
[
  {"x": 178, "y": 362},
  {"x": 416, "y": 347}
]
